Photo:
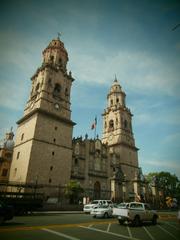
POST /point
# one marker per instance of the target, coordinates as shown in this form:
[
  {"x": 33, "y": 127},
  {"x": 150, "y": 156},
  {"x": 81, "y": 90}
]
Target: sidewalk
[{"x": 56, "y": 212}]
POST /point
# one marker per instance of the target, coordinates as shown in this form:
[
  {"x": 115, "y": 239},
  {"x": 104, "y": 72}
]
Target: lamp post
[
  {"x": 35, "y": 187},
  {"x": 144, "y": 191},
  {"x": 124, "y": 187},
  {"x": 124, "y": 191}
]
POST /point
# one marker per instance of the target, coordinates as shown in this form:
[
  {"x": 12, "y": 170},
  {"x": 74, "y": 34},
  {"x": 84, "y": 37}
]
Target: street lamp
[{"x": 124, "y": 187}]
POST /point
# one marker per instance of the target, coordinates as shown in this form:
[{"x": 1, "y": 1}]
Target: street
[{"x": 83, "y": 227}]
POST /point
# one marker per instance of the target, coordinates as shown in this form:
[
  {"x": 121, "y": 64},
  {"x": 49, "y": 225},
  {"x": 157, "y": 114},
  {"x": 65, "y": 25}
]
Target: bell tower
[
  {"x": 118, "y": 135},
  {"x": 117, "y": 126},
  {"x": 43, "y": 146}
]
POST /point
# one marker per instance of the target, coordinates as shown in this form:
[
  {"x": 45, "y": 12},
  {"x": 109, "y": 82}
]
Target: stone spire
[
  {"x": 116, "y": 95},
  {"x": 55, "y": 53}
]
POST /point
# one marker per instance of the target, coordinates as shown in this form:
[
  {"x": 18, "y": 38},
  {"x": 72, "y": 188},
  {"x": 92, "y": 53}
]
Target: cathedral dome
[
  {"x": 55, "y": 49},
  {"x": 56, "y": 44},
  {"x": 116, "y": 87},
  {"x": 8, "y": 142},
  {"x": 116, "y": 95}
]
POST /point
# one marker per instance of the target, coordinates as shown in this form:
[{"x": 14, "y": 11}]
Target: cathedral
[{"x": 46, "y": 153}]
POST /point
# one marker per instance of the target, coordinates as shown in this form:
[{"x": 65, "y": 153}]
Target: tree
[
  {"x": 73, "y": 191},
  {"x": 167, "y": 182}
]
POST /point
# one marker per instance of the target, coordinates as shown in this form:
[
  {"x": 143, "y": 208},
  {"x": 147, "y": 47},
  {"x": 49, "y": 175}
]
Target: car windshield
[
  {"x": 122, "y": 205},
  {"x": 103, "y": 206},
  {"x": 94, "y": 202}
]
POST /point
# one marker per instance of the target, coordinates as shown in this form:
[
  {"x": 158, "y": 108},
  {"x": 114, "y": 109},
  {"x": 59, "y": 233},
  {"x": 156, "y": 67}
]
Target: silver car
[{"x": 102, "y": 211}]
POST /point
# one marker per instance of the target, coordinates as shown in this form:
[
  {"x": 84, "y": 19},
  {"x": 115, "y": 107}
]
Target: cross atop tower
[
  {"x": 59, "y": 34},
  {"x": 115, "y": 80}
]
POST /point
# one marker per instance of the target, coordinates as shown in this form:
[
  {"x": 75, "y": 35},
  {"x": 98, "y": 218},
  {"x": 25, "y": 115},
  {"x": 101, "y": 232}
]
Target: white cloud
[
  {"x": 158, "y": 165},
  {"x": 164, "y": 163},
  {"x": 19, "y": 60},
  {"x": 175, "y": 137},
  {"x": 20, "y": 51},
  {"x": 90, "y": 63},
  {"x": 143, "y": 118},
  {"x": 138, "y": 71},
  {"x": 13, "y": 95}
]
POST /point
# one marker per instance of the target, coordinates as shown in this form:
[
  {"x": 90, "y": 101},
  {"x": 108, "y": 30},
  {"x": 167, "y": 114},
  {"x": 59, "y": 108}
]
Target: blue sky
[{"x": 132, "y": 39}]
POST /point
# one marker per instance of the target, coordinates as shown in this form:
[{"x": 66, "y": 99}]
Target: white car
[
  {"x": 136, "y": 213},
  {"x": 119, "y": 206},
  {"x": 89, "y": 207},
  {"x": 102, "y": 211}
]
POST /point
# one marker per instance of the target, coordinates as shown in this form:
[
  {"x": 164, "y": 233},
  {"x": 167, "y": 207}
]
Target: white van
[{"x": 88, "y": 207}]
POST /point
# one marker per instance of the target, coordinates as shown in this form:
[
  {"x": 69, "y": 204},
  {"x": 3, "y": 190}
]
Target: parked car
[
  {"x": 102, "y": 211},
  {"x": 136, "y": 213},
  {"x": 119, "y": 206},
  {"x": 89, "y": 207},
  {"x": 6, "y": 212}
]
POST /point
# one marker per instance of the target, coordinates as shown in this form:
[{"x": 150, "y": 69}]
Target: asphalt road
[{"x": 63, "y": 226}]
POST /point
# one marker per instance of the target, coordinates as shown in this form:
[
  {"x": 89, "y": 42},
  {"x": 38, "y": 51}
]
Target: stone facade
[
  {"x": 108, "y": 168},
  {"x": 44, "y": 152},
  {"x": 91, "y": 167},
  {"x": 118, "y": 135},
  {"x": 43, "y": 146}
]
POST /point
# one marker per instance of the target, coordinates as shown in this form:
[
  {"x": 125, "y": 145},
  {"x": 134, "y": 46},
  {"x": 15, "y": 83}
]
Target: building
[
  {"x": 44, "y": 152},
  {"x": 6, "y": 152},
  {"x": 118, "y": 135},
  {"x": 91, "y": 167},
  {"x": 109, "y": 168},
  {"x": 43, "y": 145}
]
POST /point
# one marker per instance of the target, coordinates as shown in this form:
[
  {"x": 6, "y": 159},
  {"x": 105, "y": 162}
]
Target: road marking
[
  {"x": 129, "y": 231},
  {"x": 172, "y": 225},
  {"x": 110, "y": 233},
  {"x": 167, "y": 232},
  {"x": 109, "y": 225},
  {"x": 148, "y": 233},
  {"x": 67, "y": 225},
  {"x": 90, "y": 225},
  {"x": 60, "y": 234}
]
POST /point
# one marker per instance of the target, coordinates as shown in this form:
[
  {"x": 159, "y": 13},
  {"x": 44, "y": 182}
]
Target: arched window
[
  {"x": 105, "y": 125},
  {"x": 57, "y": 90},
  {"x": 66, "y": 92},
  {"x": 111, "y": 125},
  {"x": 49, "y": 82},
  {"x": 60, "y": 61},
  {"x": 37, "y": 86},
  {"x": 125, "y": 123},
  {"x": 76, "y": 161},
  {"x": 117, "y": 100},
  {"x": 111, "y": 102}
]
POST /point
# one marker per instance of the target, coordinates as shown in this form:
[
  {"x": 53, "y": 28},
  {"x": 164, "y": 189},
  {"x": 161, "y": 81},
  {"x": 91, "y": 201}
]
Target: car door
[{"x": 148, "y": 214}]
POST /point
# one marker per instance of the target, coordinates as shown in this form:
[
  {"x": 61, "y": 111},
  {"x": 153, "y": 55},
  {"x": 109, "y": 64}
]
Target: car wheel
[
  {"x": 154, "y": 220},
  {"x": 136, "y": 221},
  {"x": 106, "y": 215},
  {"x": 121, "y": 221}
]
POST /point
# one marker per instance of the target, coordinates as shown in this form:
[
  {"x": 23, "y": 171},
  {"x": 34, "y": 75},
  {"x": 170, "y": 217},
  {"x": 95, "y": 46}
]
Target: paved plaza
[{"x": 61, "y": 226}]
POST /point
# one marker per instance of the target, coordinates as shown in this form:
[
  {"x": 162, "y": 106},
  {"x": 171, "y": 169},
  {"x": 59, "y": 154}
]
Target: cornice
[{"x": 48, "y": 114}]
